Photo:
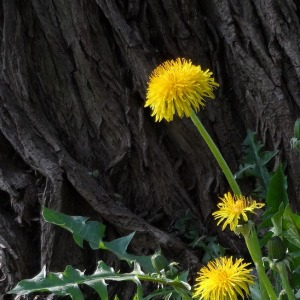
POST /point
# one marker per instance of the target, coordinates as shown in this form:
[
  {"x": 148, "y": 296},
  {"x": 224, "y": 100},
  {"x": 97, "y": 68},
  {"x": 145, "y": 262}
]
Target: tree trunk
[{"x": 75, "y": 135}]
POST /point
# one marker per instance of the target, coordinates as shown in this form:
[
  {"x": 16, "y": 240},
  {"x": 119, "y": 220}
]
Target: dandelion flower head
[
  {"x": 178, "y": 86},
  {"x": 234, "y": 208},
  {"x": 223, "y": 279}
]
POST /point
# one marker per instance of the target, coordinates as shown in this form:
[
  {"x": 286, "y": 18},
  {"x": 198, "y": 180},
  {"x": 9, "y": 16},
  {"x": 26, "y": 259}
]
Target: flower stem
[
  {"x": 284, "y": 279},
  {"x": 252, "y": 243},
  {"x": 217, "y": 154}
]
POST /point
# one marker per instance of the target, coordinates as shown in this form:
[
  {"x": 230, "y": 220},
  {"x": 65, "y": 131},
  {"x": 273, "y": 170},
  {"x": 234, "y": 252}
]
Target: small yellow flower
[
  {"x": 178, "y": 86},
  {"x": 223, "y": 279},
  {"x": 233, "y": 208}
]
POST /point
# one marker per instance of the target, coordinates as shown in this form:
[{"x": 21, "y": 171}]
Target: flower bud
[
  {"x": 297, "y": 129},
  {"x": 159, "y": 262},
  {"x": 276, "y": 248},
  {"x": 295, "y": 141}
]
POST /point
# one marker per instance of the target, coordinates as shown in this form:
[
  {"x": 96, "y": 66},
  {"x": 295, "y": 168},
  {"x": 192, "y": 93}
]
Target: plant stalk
[
  {"x": 253, "y": 246},
  {"x": 217, "y": 154},
  {"x": 284, "y": 279}
]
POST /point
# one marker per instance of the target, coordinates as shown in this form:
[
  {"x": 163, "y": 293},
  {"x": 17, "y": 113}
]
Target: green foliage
[
  {"x": 278, "y": 223},
  {"x": 212, "y": 249},
  {"x": 174, "y": 292},
  {"x": 276, "y": 248},
  {"x": 255, "y": 291},
  {"x": 171, "y": 283},
  {"x": 282, "y": 222},
  {"x": 67, "y": 282},
  {"x": 295, "y": 140},
  {"x": 159, "y": 262},
  {"x": 277, "y": 193},
  {"x": 93, "y": 233},
  {"x": 276, "y": 196},
  {"x": 291, "y": 226},
  {"x": 287, "y": 225},
  {"x": 255, "y": 162},
  {"x": 187, "y": 228}
]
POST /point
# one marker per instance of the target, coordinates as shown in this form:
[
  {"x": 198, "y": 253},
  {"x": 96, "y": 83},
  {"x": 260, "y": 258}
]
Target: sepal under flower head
[
  {"x": 223, "y": 279},
  {"x": 178, "y": 86},
  {"x": 233, "y": 209}
]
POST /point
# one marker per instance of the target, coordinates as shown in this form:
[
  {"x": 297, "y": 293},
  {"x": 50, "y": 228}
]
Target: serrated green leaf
[
  {"x": 94, "y": 232},
  {"x": 68, "y": 282},
  {"x": 255, "y": 162},
  {"x": 277, "y": 193},
  {"x": 245, "y": 170},
  {"x": 184, "y": 276},
  {"x": 74, "y": 292},
  {"x": 255, "y": 291},
  {"x": 277, "y": 221},
  {"x": 100, "y": 287},
  {"x": 91, "y": 231},
  {"x": 291, "y": 224},
  {"x": 139, "y": 293},
  {"x": 276, "y": 196},
  {"x": 61, "y": 284},
  {"x": 120, "y": 245}
]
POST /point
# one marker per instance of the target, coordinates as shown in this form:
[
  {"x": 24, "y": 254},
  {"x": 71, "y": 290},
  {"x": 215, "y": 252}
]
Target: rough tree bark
[{"x": 75, "y": 136}]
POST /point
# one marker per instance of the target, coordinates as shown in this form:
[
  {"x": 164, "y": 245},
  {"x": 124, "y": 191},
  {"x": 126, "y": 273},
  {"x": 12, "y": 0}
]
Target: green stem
[
  {"x": 285, "y": 281},
  {"x": 263, "y": 291},
  {"x": 253, "y": 246},
  {"x": 217, "y": 154},
  {"x": 180, "y": 287}
]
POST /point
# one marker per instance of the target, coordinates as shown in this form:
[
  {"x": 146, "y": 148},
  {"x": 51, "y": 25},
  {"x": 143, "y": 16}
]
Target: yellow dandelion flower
[
  {"x": 233, "y": 208},
  {"x": 178, "y": 86},
  {"x": 223, "y": 279}
]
